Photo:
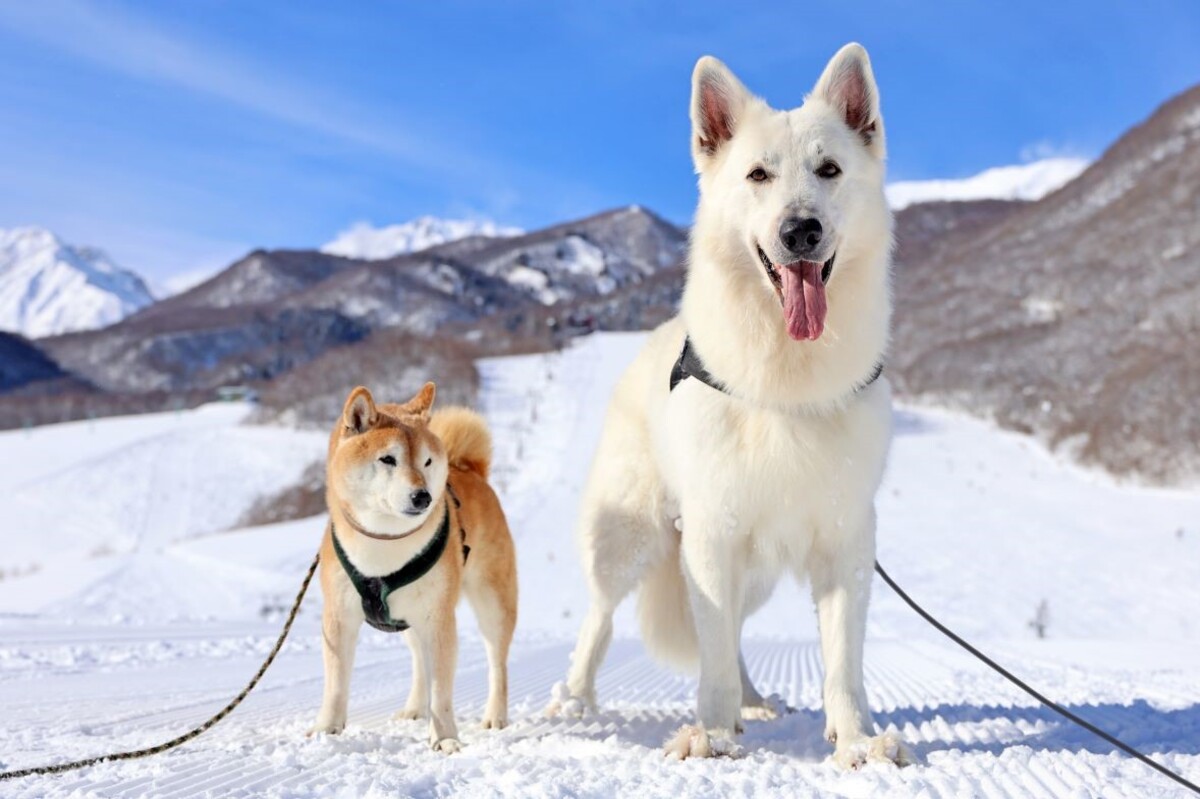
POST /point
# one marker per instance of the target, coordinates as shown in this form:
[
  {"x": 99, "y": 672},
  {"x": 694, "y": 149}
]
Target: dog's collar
[
  {"x": 357, "y": 527},
  {"x": 374, "y": 591},
  {"x": 688, "y": 364}
]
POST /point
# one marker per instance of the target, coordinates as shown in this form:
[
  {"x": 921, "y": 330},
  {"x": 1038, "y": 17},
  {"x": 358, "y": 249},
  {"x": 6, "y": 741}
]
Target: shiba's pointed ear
[
  {"x": 422, "y": 402},
  {"x": 848, "y": 85},
  {"x": 718, "y": 100},
  {"x": 359, "y": 414}
]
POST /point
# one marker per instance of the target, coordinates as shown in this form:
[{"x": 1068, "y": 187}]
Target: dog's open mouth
[{"x": 800, "y": 287}]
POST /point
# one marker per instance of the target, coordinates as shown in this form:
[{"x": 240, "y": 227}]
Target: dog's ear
[
  {"x": 848, "y": 85},
  {"x": 422, "y": 402},
  {"x": 359, "y": 413},
  {"x": 718, "y": 100}
]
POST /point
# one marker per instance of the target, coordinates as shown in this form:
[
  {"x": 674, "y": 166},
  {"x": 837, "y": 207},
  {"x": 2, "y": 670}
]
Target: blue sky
[{"x": 180, "y": 135}]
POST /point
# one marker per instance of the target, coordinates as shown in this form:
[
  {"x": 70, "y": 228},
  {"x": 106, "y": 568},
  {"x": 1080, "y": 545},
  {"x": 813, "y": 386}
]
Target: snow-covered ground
[{"x": 128, "y": 612}]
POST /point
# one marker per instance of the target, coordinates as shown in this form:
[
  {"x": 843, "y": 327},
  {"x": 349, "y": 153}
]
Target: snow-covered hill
[
  {"x": 49, "y": 287},
  {"x": 1030, "y": 181},
  {"x": 370, "y": 243},
  {"x": 123, "y": 632}
]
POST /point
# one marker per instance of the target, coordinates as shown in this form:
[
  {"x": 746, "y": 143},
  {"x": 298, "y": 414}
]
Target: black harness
[
  {"x": 688, "y": 364},
  {"x": 374, "y": 591}
]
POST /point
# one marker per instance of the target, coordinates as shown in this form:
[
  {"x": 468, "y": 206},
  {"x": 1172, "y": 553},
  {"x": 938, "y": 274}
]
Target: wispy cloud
[
  {"x": 414, "y": 146},
  {"x": 114, "y": 38}
]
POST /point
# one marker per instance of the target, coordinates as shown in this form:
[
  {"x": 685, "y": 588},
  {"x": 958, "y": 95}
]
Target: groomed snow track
[{"x": 990, "y": 744}]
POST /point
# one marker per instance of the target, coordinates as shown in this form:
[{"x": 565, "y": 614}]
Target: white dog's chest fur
[{"x": 783, "y": 480}]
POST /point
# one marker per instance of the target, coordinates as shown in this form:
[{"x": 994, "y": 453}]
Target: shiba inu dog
[
  {"x": 705, "y": 491},
  {"x": 413, "y": 524}
]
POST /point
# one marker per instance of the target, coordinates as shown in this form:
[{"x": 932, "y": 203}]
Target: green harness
[{"x": 375, "y": 591}]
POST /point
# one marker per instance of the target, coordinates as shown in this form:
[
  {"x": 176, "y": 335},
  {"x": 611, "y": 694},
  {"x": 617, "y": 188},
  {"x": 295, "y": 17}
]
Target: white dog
[{"x": 704, "y": 491}]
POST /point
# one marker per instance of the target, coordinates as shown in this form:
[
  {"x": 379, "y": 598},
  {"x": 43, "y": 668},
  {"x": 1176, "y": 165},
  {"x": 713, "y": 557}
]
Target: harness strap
[
  {"x": 688, "y": 364},
  {"x": 374, "y": 591},
  {"x": 461, "y": 528}
]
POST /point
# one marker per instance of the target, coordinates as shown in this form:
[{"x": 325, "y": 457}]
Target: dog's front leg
[
  {"x": 339, "y": 635},
  {"x": 417, "y": 706},
  {"x": 714, "y": 564},
  {"x": 439, "y": 642},
  {"x": 841, "y": 568}
]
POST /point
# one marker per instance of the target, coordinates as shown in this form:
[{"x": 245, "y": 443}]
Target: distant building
[{"x": 237, "y": 394}]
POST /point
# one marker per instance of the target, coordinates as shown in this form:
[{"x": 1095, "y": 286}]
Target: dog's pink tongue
[{"x": 804, "y": 300}]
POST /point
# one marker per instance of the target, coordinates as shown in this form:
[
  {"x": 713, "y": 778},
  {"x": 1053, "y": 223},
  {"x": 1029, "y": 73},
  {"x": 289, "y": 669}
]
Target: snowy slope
[
  {"x": 370, "y": 243},
  {"x": 1020, "y": 182},
  {"x": 91, "y": 504},
  {"x": 49, "y": 287},
  {"x": 978, "y": 524}
]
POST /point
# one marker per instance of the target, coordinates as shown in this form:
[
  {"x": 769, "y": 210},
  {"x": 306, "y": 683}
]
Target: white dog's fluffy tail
[{"x": 665, "y": 614}]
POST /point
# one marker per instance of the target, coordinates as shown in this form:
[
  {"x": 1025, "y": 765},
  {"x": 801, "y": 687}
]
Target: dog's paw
[
  {"x": 325, "y": 728},
  {"x": 494, "y": 721},
  {"x": 771, "y": 707},
  {"x": 886, "y": 748},
  {"x": 564, "y": 705},
  {"x": 447, "y": 746},
  {"x": 409, "y": 714},
  {"x": 692, "y": 740}
]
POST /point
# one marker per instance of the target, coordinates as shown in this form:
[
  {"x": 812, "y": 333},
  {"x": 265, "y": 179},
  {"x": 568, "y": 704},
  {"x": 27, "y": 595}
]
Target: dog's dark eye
[
  {"x": 828, "y": 170},
  {"x": 388, "y": 460},
  {"x": 428, "y": 462},
  {"x": 758, "y": 174}
]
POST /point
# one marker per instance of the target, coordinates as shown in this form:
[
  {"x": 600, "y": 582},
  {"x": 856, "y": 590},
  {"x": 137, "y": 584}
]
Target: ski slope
[{"x": 124, "y": 632}]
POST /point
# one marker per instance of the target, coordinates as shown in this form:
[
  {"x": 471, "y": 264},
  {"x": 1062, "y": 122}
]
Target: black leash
[
  {"x": 1017, "y": 681},
  {"x": 194, "y": 732}
]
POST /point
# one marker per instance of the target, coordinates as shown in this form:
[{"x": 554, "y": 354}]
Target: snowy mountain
[
  {"x": 49, "y": 287},
  {"x": 370, "y": 243},
  {"x": 273, "y": 311},
  {"x": 1021, "y": 182},
  {"x": 1074, "y": 316}
]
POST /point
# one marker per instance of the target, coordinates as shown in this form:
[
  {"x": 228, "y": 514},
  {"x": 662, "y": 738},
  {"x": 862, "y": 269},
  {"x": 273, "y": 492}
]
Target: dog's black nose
[
  {"x": 800, "y": 236},
  {"x": 420, "y": 499}
]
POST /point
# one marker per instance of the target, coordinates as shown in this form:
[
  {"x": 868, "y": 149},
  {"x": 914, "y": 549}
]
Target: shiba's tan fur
[{"x": 430, "y": 451}]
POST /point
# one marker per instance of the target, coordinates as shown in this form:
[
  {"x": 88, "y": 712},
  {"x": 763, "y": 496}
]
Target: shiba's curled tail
[{"x": 465, "y": 436}]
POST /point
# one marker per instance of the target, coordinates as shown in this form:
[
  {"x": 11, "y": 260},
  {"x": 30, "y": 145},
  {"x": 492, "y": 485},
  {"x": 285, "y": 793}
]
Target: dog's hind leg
[
  {"x": 614, "y": 560},
  {"x": 755, "y": 706},
  {"x": 620, "y": 518},
  {"x": 495, "y": 606},
  {"x": 578, "y": 695}
]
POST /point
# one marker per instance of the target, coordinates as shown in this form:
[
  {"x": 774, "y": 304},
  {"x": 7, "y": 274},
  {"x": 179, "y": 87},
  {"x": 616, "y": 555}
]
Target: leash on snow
[
  {"x": 1017, "y": 681},
  {"x": 287, "y": 627},
  {"x": 194, "y": 732}
]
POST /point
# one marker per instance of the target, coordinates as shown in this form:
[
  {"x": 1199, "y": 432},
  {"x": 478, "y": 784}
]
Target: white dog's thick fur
[{"x": 704, "y": 499}]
